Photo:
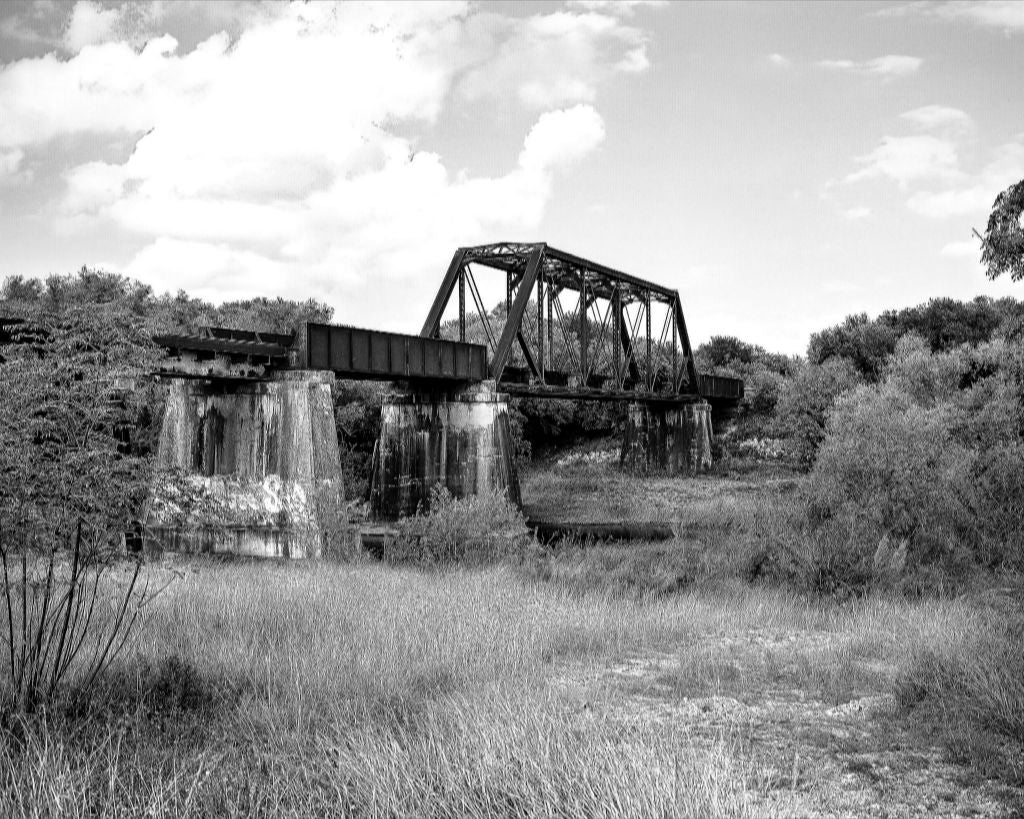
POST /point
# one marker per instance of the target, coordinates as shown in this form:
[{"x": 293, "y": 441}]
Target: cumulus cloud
[
  {"x": 287, "y": 161},
  {"x": 552, "y": 59},
  {"x": 92, "y": 186},
  {"x": 907, "y": 159},
  {"x": 929, "y": 167},
  {"x": 90, "y": 23},
  {"x": 974, "y": 193},
  {"x": 891, "y": 65},
  {"x": 939, "y": 117},
  {"x": 561, "y": 137}
]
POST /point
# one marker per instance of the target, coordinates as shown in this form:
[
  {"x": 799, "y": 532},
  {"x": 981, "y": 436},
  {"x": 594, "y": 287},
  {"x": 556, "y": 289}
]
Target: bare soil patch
[{"x": 813, "y": 746}]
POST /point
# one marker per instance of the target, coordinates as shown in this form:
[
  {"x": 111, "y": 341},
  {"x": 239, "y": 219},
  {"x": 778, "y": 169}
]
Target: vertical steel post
[
  {"x": 583, "y": 328},
  {"x": 650, "y": 363},
  {"x": 462, "y": 304},
  {"x": 540, "y": 324},
  {"x": 675, "y": 356},
  {"x": 551, "y": 325},
  {"x": 617, "y": 334}
]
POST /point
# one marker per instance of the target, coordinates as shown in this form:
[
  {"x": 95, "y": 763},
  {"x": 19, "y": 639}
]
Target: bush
[
  {"x": 476, "y": 529},
  {"x": 933, "y": 457},
  {"x": 890, "y": 468},
  {"x": 70, "y": 487},
  {"x": 805, "y": 402}
]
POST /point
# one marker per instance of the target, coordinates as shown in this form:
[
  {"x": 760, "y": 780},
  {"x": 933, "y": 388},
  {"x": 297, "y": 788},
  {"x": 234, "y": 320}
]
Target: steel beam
[
  {"x": 515, "y": 315},
  {"x": 432, "y": 326}
]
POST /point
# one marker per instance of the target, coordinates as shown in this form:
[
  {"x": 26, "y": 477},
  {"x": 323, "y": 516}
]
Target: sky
[{"x": 781, "y": 165}]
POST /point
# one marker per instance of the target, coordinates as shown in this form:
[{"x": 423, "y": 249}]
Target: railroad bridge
[{"x": 249, "y": 427}]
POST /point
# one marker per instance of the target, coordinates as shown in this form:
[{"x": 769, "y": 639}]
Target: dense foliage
[
  {"x": 1003, "y": 243},
  {"x": 72, "y": 481},
  {"x": 909, "y": 424}
]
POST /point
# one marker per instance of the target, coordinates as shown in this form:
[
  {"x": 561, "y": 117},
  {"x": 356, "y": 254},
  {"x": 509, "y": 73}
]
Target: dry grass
[
  {"x": 369, "y": 691},
  {"x": 515, "y": 690},
  {"x": 363, "y": 690}
]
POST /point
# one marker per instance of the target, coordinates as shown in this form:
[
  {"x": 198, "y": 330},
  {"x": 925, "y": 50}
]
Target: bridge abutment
[
  {"x": 249, "y": 467},
  {"x": 675, "y": 440},
  {"x": 461, "y": 440}
]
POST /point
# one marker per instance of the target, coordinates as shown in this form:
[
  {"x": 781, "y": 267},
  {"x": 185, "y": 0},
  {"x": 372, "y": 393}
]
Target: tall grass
[
  {"x": 371, "y": 691},
  {"x": 365, "y": 690}
]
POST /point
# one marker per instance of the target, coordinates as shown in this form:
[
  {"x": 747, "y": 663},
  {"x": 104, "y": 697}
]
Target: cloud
[
  {"x": 973, "y": 194},
  {"x": 968, "y": 249},
  {"x": 928, "y": 166},
  {"x": 940, "y": 117},
  {"x": 854, "y": 214},
  {"x": 625, "y": 8},
  {"x": 90, "y": 23},
  {"x": 561, "y": 137},
  {"x": 552, "y": 60},
  {"x": 10, "y": 161},
  {"x": 92, "y": 186},
  {"x": 1006, "y": 15},
  {"x": 891, "y": 65},
  {"x": 908, "y": 159},
  {"x": 34, "y": 24},
  {"x": 288, "y": 160},
  {"x": 780, "y": 60}
]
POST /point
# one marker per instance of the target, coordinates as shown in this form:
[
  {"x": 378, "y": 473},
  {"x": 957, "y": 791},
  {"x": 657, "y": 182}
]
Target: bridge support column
[
  {"x": 462, "y": 441},
  {"x": 249, "y": 467},
  {"x": 675, "y": 440}
]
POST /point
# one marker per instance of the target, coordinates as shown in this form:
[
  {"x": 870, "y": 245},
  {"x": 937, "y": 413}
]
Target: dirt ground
[
  {"x": 855, "y": 757},
  {"x": 818, "y": 747}
]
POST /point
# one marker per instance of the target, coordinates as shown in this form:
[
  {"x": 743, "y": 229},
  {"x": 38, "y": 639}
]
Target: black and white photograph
[{"x": 512, "y": 408}]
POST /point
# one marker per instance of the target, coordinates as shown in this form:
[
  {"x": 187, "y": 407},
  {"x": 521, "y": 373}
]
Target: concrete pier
[
  {"x": 461, "y": 440},
  {"x": 675, "y": 440},
  {"x": 249, "y": 467}
]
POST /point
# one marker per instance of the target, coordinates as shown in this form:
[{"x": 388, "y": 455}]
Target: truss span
[{"x": 570, "y": 327}]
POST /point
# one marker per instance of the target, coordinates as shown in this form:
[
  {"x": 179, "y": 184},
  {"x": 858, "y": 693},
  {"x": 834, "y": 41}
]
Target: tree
[
  {"x": 69, "y": 488},
  {"x": 864, "y": 342},
  {"x": 1003, "y": 244},
  {"x": 805, "y": 402}
]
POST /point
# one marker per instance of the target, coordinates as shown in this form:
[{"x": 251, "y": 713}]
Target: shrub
[
  {"x": 890, "y": 468},
  {"x": 476, "y": 529},
  {"x": 805, "y": 402},
  {"x": 70, "y": 486}
]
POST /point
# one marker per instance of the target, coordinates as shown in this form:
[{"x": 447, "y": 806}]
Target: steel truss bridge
[{"x": 568, "y": 328}]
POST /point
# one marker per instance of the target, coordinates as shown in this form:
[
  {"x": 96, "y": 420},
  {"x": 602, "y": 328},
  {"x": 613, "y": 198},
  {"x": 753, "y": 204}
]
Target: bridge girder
[{"x": 607, "y": 343}]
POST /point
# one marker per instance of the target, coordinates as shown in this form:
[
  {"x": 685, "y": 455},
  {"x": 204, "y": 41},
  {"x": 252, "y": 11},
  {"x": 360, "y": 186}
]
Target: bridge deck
[{"x": 361, "y": 354}]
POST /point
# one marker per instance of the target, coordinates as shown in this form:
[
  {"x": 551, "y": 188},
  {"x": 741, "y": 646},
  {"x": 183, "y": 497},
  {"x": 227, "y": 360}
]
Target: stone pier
[
  {"x": 460, "y": 440},
  {"x": 249, "y": 467},
  {"x": 675, "y": 440}
]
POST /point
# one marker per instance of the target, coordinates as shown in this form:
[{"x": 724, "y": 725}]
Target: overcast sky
[{"x": 781, "y": 165}]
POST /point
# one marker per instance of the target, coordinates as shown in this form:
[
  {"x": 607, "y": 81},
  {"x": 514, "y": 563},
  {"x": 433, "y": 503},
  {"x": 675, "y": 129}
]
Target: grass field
[{"x": 364, "y": 690}]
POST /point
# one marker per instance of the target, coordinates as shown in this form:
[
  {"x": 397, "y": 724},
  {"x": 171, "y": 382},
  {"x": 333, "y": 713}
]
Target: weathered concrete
[
  {"x": 462, "y": 441},
  {"x": 249, "y": 467},
  {"x": 673, "y": 440}
]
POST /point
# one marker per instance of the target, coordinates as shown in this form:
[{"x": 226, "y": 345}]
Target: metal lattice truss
[{"x": 569, "y": 325}]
